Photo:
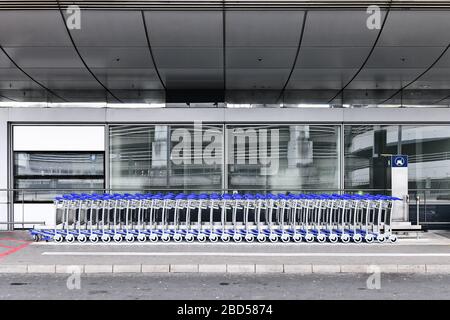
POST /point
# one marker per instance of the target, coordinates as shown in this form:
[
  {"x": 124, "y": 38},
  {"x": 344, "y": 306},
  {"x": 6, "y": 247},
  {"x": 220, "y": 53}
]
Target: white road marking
[{"x": 246, "y": 254}]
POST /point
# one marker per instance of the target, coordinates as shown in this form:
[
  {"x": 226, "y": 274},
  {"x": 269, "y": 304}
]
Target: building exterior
[{"x": 264, "y": 96}]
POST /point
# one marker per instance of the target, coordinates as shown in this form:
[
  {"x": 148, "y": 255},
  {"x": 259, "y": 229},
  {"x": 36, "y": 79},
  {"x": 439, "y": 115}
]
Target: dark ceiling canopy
[{"x": 292, "y": 52}]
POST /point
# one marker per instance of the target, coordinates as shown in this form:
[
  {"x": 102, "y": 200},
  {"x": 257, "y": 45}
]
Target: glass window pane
[
  {"x": 283, "y": 158},
  {"x": 58, "y": 164},
  {"x": 196, "y": 157},
  {"x": 367, "y": 149},
  {"x": 138, "y": 157},
  {"x": 428, "y": 148}
]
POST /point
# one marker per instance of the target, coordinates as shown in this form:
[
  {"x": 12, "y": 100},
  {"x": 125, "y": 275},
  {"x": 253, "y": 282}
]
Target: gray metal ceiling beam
[{"x": 218, "y": 4}]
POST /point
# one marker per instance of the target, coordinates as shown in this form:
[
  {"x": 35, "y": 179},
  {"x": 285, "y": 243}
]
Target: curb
[{"x": 228, "y": 268}]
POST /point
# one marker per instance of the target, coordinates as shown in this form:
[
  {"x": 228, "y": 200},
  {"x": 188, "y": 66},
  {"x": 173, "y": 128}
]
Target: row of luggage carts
[{"x": 220, "y": 217}]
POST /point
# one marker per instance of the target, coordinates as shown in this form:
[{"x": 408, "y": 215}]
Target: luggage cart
[{"x": 189, "y": 217}]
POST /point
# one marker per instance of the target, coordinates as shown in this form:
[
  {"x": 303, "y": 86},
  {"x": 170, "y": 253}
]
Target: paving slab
[{"x": 429, "y": 253}]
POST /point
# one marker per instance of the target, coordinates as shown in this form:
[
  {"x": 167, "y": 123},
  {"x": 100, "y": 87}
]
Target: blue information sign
[{"x": 399, "y": 161}]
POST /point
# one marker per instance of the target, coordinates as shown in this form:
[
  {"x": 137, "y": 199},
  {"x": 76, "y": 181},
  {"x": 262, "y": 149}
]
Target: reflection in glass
[
  {"x": 140, "y": 159},
  {"x": 58, "y": 163},
  {"x": 281, "y": 158},
  {"x": 58, "y": 172}
]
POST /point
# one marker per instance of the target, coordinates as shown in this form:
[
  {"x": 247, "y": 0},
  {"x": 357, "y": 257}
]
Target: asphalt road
[{"x": 208, "y": 286}]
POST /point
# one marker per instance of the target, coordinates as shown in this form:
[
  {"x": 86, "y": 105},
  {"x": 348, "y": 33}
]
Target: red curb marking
[
  {"x": 5, "y": 246},
  {"x": 4, "y": 254},
  {"x": 11, "y": 239}
]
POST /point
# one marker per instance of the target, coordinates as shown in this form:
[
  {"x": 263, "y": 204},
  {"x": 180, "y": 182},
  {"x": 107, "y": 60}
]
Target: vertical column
[
  {"x": 399, "y": 178},
  {"x": 3, "y": 167}
]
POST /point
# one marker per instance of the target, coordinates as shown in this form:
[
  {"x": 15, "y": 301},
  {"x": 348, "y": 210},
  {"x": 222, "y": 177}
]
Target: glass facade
[{"x": 248, "y": 157}]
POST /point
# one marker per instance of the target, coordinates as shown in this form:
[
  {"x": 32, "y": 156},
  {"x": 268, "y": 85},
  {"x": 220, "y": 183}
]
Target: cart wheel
[
  {"x": 201, "y": 237},
  {"x": 189, "y": 238},
  {"x": 261, "y": 238},
  {"x": 321, "y": 238},
  {"x": 393, "y": 238},
  {"x": 165, "y": 238},
  {"x": 213, "y": 238},
  {"x": 141, "y": 238},
  {"x": 58, "y": 238},
  {"x": 357, "y": 238},
  {"x": 333, "y": 238},
  {"x": 93, "y": 238},
  {"x": 249, "y": 238},
  {"x": 82, "y": 238},
  {"x": 309, "y": 238},
  {"x": 273, "y": 238},
  {"x": 285, "y": 238},
  {"x": 345, "y": 238},
  {"x": 70, "y": 238},
  {"x": 177, "y": 237},
  {"x": 106, "y": 238},
  {"x": 381, "y": 238},
  {"x": 153, "y": 238},
  {"x": 237, "y": 238},
  {"x": 117, "y": 238},
  {"x": 129, "y": 238},
  {"x": 297, "y": 238},
  {"x": 369, "y": 238},
  {"x": 225, "y": 238}
]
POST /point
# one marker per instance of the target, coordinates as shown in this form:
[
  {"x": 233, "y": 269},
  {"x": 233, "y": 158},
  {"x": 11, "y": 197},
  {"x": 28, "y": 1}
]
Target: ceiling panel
[
  {"x": 260, "y": 54},
  {"x": 184, "y": 28},
  {"x": 331, "y": 57},
  {"x": 403, "y": 57},
  {"x": 24, "y": 84},
  {"x": 256, "y": 78},
  {"x": 336, "y": 42},
  {"x": 186, "y": 78},
  {"x": 126, "y": 84},
  {"x": 79, "y": 74},
  {"x": 326, "y": 78},
  {"x": 188, "y": 57},
  {"x": 71, "y": 84},
  {"x": 260, "y": 58},
  {"x": 409, "y": 44},
  {"x": 110, "y": 29},
  {"x": 416, "y": 28},
  {"x": 32, "y": 28},
  {"x": 116, "y": 57},
  {"x": 44, "y": 57},
  {"x": 263, "y": 28},
  {"x": 187, "y": 47},
  {"x": 12, "y": 74},
  {"x": 338, "y": 28}
]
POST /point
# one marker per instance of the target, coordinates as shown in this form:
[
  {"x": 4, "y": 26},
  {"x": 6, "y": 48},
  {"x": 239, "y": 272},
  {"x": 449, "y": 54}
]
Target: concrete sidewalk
[{"x": 430, "y": 253}]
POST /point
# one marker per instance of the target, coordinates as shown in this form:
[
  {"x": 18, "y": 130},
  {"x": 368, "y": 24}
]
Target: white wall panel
[
  {"x": 59, "y": 138},
  {"x": 34, "y": 212}
]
